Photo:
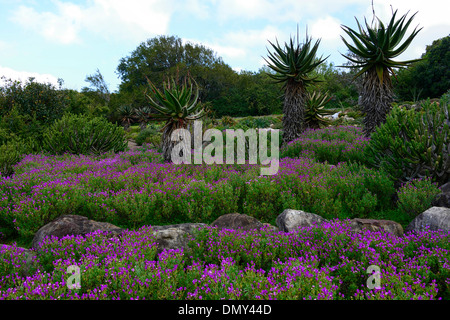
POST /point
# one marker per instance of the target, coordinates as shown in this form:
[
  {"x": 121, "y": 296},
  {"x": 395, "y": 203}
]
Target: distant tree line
[{"x": 225, "y": 92}]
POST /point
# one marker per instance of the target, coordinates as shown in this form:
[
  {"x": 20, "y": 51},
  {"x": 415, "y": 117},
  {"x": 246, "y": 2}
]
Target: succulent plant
[
  {"x": 315, "y": 112},
  {"x": 375, "y": 47},
  {"x": 177, "y": 105},
  {"x": 293, "y": 65},
  {"x": 414, "y": 143}
]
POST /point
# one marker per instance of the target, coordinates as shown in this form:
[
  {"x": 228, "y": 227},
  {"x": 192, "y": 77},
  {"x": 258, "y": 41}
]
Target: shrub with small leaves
[{"x": 415, "y": 196}]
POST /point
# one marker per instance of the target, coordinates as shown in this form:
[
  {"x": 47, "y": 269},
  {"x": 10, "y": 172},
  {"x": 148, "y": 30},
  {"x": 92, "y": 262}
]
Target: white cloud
[
  {"x": 328, "y": 28},
  {"x": 131, "y": 19},
  {"x": 23, "y": 76},
  {"x": 62, "y": 28}
]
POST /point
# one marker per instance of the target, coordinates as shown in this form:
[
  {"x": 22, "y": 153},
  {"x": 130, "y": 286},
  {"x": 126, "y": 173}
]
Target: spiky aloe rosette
[
  {"x": 293, "y": 65},
  {"x": 315, "y": 112},
  {"x": 375, "y": 47},
  {"x": 414, "y": 144},
  {"x": 177, "y": 105}
]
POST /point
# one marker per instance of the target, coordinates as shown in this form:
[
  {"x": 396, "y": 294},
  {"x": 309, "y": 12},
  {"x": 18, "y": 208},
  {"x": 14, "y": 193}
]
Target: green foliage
[
  {"x": 149, "y": 135},
  {"x": 315, "y": 112},
  {"x": 33, "y": 99},
  {"x": 80, "y": 134},
  {"x": 416, "y": 196},
  {"x": 342, "y": 90},
  {"x": 413, "y": 143},
  {"x": 294, "y": 62},
  {"x": 9, "y": 156},
  {"x": 376, "y": 46},
  {"x": 428, "y": 78},
  {"x": 175, "y": 102},
  {"x": 331, "y": 144}
]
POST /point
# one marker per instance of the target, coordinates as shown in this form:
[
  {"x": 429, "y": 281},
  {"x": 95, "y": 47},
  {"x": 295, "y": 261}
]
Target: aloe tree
[
  {"x": 142, "y": 116},
  {"x": 177, "y": 106},
  {"x": 315, "y": 112},
  {"x": 375, "y": 47},
  {"x": 293, "y": 65},
  {"x": 126, "y": 115}
]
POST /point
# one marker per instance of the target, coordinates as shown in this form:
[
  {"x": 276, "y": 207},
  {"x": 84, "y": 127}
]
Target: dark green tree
[
  {"x": 428, "y": 78},
  {"x": 164, "y": 57}
]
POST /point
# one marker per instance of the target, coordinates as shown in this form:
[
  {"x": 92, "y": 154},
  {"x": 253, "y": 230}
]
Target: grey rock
[
  {"x": 290, "y": 220},
  {"x": 358, "y": 225},
  {"x": 443, "y": 199},
  {"x": 237, "y": 221},
  {"x": 72, "y": 225},
  {"x": 435, "y": 218},
  {"x": 175, "y": 236}
]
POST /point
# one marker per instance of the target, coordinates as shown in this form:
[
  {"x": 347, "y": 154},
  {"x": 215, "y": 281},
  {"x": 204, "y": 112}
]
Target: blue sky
[{"x": 70, "y": 39}]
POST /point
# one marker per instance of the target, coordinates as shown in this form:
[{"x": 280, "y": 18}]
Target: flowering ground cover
[
  {"x": 135, "y": 190},
  {"x": 318, "y": 262}
]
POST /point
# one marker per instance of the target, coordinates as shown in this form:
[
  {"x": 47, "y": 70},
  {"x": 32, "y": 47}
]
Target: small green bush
[
  {"x": 415, "y": 196},
  {"x": 80, "y": 134},
  {"x": 9, "y": 156},
  {"x": 149, "y": 135}
]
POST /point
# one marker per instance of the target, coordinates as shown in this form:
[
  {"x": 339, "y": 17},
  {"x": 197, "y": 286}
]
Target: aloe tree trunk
[
  {"x": 376, "y": 99},
  {"x": 293, "y": 110},
  {"x": 166, "y": 139}
]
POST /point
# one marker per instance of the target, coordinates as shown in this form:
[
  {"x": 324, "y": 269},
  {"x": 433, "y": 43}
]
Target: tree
[
  {"x": 428, "y": 78},
  {"x": 164, "y": 57},
  {"x": 376, "y": 47},
  {"x": 293, "y": 65},
  {"x": 98, "y": 86},
  {"x": 177, "y": 105}
]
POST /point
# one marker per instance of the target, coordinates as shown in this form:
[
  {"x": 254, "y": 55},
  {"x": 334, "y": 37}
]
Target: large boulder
[
  {"x": 358, "y": 225},
  {"x": 435, "y": 218},
  {"x": 174, "y": 236},
  {"x": 443, "y": 199},
  {"x": 290, "y": 220},
  {"x": 237, "y": 221},
  {"x": 72, "y": 225}
]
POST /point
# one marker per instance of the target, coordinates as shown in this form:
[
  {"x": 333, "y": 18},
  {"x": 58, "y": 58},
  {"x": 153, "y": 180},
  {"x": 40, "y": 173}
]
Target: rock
[
  {"x": 174, "y": 236},
  {"x": 393, "y": 227},
  {"x": 290, "y": 220},
  {"x": 237, "y": 221},
  {"x": 72, "y": 225},
  {"x": 443, "y": 199},
  {"x": 436, "y": 218}
]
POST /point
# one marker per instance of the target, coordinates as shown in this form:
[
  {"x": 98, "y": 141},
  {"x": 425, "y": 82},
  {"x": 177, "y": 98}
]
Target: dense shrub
[
  {"x": 80, "y": 134},
  {"x": 150, "y": 135},
  {"x": 40, "y": 100},
  {"x": 416, "y": 196},
  {"x": 413, "y": 143}
]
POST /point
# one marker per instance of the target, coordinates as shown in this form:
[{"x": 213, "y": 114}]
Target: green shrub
[
  {"x": 9, "y": 156},
  {"x": 149, "y": 135},
  {"x": 415, "y": 196},
  {"x": 79, "y": 134},
  {"x": 43, "y": 101},
  {"x": 413, "y": 143}
]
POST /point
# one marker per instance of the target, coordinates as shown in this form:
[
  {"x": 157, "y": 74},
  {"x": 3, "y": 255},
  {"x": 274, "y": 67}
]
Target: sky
[{"x": 71, "y": 39}]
